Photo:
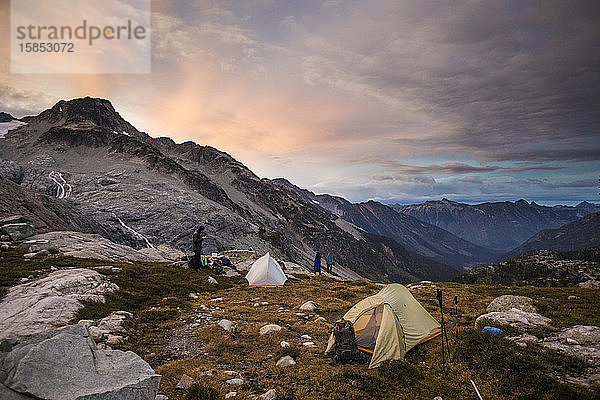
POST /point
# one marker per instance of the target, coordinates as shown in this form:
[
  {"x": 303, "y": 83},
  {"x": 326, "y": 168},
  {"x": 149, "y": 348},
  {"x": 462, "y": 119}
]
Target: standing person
[
  {"x": 317, "y": 266},
  {"x": 329, "y": 260},
  {"x": 199, "y": 236}
]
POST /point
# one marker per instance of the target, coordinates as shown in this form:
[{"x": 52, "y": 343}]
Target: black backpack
[
  {"x": 217, "y": 266},
  {"x": 345, "y": 349}
]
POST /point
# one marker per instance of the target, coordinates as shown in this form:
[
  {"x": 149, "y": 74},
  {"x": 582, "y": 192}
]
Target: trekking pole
[
  {"x": 445, "y": 333},
  {"x": 456, "y": 314},
  {"x": 439, "y": 297}
]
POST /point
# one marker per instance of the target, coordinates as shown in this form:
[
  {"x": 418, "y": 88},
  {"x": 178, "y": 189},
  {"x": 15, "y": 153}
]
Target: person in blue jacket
[
  {"x": 329, "y": 261},
  {"x": 317, "y": 263}
]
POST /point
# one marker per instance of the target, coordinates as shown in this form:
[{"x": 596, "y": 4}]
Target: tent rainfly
[
  {"x": 266, "y": 272},
  {"x": 390, "y": 323}
]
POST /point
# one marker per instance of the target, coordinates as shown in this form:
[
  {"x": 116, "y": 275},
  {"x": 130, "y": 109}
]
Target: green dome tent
[{"x": 390, "y": 323}]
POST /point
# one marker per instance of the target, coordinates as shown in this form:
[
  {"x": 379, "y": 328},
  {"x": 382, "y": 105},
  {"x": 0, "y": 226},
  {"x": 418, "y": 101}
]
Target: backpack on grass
[{"x": 345, "y": 349}]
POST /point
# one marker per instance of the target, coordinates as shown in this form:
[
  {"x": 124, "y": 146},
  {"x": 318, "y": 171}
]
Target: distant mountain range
[
  {"x": 417, "y": 236},
  {"x": 581, "y": 234},
  {"x": 501, "y": 226},
  {"x": 79, "y": 165}
]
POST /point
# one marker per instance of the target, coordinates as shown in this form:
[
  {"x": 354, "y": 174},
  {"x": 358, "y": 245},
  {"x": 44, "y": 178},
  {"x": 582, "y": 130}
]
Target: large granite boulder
[
  {"x": 65, "y": 365},
  {"x": 87, "y": 245},
  {"x": 508, "y": 302},
  {"x": 516, "y": 318},
  {"x": 50, "y": 302},
  {"x": 581, "y": 341},
  {"x": 18, "y": 231}
]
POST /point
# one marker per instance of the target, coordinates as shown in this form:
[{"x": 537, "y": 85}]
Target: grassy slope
[{"x": 158, "y": 296}]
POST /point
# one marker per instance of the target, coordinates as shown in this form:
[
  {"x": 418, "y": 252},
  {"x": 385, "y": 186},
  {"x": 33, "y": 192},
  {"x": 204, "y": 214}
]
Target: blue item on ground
[{"x": 492, "y": 330}]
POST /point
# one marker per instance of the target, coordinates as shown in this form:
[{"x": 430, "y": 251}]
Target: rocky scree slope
[
  {"x": 501, "y": 225},
  {"x": 539, "y": 268},
  {"x": 145, "y": 191}
]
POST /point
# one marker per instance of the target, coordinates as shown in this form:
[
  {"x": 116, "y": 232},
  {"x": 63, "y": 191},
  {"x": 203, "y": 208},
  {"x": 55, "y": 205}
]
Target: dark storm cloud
[
  {"x": 458, "y": 168},
  {"x": 510, "y": 80}
]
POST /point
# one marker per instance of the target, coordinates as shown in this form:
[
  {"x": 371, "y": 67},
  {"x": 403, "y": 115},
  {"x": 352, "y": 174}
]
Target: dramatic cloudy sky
[{"x": 399, "y": 101}]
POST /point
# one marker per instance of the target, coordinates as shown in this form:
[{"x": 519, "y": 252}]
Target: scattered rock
[
  {"x": 227, "y": 325},
  {"x": 193, "y": 295},
  {"x": 514, "y": 317},
  {"x": 115, "y": 321},
  {"x": 307, "y": 337},
  {"x": 213, "y": 281},
  {"x": 523, "y": 340},
  {"x": 83, "y": 372},
  {"x": 234, "y": 381},
  {"x": 231, "y": 373},
  {"x": 508, "y": 302},
  {"x": 309, "y": 306},
  {"x": 217, "y": 299},
  {"x": 285, "y": 361},
  {"x": 269, "y": 329},
  {"x": 572, "y": 297},
  {"x": 284, "y": 344},
  {"x": 86, "y": 322},
  {"x": 50, "y": 302},
  {"x": 161, "y": 397},
  {"x": 591, "y": 284},
  {"x": 320, "y": 319},
  {"x": 230, "y": 395},
  {"x": 28, "y": 255},
  {"x": 309, "y": 344},
  {"x": 185, "y": 382},
  {"x": 268, "y": 395},
  {"x": 96, "y": 333},
  {"x": 114, "y": 339}
]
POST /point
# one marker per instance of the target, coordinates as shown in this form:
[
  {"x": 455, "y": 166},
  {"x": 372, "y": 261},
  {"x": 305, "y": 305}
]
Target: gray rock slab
[
  {"x": 115, "y": 322},
  {"x": 18, "y": 231},
  {"x": 588, "y": 335},
  {"x": 65, "y": 365},
  {"x": 508, "y": 301},
  {"x": 50, "y": 302},
  {"x": 514, "y": 317},
  {"x": 87, "y": 245}
]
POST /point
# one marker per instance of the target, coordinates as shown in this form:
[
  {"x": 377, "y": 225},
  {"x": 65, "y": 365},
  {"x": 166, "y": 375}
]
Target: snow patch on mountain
[{"x": 9, "y": 126}]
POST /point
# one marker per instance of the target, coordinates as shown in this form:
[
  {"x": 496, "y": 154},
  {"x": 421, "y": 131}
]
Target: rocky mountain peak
[
  {"x": 88, "y": 110},
  {"x": 6, "y": 117}
]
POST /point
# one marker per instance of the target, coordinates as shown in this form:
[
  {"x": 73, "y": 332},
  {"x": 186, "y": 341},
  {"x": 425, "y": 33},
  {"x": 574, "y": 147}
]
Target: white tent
[{"x": 266, "y": 272}]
